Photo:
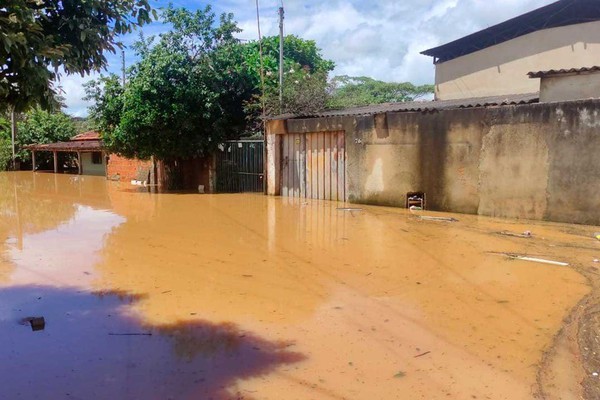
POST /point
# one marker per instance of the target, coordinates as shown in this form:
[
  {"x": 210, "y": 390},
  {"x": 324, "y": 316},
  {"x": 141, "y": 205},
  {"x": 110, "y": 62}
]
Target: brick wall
[{"x": 127, "y": 169}]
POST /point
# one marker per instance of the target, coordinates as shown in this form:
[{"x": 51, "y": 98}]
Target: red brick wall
[{"x": 127, "y": 169}]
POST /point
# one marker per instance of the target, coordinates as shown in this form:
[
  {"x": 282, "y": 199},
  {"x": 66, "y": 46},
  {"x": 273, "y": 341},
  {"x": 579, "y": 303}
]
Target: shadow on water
[{"x": 94, "y": 347}]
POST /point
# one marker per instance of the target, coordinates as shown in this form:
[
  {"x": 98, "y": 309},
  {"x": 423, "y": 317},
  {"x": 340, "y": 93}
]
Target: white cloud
[{"x": 381, "y": 39}]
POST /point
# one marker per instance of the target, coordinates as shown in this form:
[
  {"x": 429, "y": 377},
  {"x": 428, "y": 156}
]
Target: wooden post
[
  {"x": 55, "y": 155},
  {"x": 33, "y": 160},
  {"x": 79, "y": 167}
]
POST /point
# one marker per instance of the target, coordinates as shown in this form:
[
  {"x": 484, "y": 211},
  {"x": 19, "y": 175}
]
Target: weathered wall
[
  {"x": 570, "y": 87},
  {"x": 127, "y": 169},
  {"x": 535, "y": 161},
  {"x": 89, "y": 168},
  {"x": 502, "y": 69}
]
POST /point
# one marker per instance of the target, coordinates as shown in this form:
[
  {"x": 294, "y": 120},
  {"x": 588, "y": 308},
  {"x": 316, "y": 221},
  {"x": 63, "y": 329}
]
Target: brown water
[{"x": 187, "y": 296}]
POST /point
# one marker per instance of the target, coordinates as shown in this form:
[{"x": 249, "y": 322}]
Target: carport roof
[
  {"x": 71, "y": 146},
  {"x": 417, "y": 106}
]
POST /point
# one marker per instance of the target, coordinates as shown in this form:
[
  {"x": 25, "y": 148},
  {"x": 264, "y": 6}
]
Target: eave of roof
[
  {"x": 560, "y": 13},
  {"x": 71, "y": 146},
  {"x": 550, "y": 72},
  {"x": 421, "y": 106}
]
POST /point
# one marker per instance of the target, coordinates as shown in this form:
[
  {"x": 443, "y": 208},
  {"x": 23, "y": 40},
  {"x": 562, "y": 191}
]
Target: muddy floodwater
[{"x": 243, "y": 296}]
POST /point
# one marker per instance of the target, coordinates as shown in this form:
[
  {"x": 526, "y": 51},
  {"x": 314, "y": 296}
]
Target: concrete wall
[
  {"x": 570, "y": 87},
  {"x": 89, "y": 168},
  {"x": 502, "y": 69},
  {"x": 535, "y": 161}
]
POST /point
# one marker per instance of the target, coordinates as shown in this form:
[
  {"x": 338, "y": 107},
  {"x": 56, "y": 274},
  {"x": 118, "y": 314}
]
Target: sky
[{"x": 377, "y": 38}]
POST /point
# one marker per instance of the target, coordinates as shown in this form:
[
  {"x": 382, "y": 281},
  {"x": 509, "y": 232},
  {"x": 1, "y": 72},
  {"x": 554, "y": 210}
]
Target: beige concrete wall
[
  {"x": 537, "y": 161},
  {"x": 502, "y": 69},
  {"x": 89, "y": 168},
  {"x": 570, "y": 87}
]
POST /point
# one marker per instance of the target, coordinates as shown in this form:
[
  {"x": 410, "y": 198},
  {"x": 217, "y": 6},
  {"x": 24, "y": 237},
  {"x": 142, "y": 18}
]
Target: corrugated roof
[
  {"x": 560, "y": 13},
  {"x": 90, "y": 135},
  {"x": 541, "y": 74},
  {"x": 77, "y": 145},
  {"x": 417, "y": 106}
]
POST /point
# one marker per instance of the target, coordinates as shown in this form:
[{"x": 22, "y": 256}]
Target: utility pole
[
  {"x": 13, "y": 129},
  {"x": 281, "y": 14},
  {"x": 123, "y": 57}
]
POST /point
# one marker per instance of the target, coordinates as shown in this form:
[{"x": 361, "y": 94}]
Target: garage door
[{"x": 313, "y": 166}]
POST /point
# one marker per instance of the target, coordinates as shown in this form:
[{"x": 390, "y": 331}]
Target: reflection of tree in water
[
  {"x": 27, "y": 208},
  {"x": 93, "y": 347}
]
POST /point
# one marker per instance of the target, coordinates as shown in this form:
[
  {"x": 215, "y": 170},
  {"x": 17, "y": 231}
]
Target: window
[{"x": 96, "y": 157}]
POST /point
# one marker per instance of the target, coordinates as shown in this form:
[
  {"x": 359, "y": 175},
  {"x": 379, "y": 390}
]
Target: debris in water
[
  {"x": 400, "y": 374},
  {"x": 444, "y": 219},
  {"x": 36, "y": 323},
  {"x": 422, "y": 354},
  {"x": 248, "y": 276},
  {"x": 525, "y": 235},
  {"x": 594, "y": 374},
  {"x": 597, "y": 235},
  {"x": 415, "y": 208},
  {"x": 596, "y": 260},
  {"x": 525, "y": 257},
  {"x": 349, "y": 209},
  {"x": 129, "y": 334}
]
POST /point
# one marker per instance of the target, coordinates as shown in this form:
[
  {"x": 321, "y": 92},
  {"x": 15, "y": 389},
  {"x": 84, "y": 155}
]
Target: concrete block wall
[{"x": 535, "y": 161}]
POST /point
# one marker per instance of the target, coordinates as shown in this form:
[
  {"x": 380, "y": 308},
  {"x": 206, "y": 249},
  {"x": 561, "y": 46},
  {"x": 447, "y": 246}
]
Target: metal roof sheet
[
  {"x": 560, "y": 13},
  {"x": 541, "y": 74},
  {"x": 419, "y": 106}
]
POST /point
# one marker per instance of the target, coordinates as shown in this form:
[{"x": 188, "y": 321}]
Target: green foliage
[
  {"x": 39, "y": 126},
  {"x": 361, "y": 91},
  {"x": 5, "y": 144},
  {"x": 305, "y": 77},
  {"x": 183, "y": 96},
  {"x": 39, "y": 36}
]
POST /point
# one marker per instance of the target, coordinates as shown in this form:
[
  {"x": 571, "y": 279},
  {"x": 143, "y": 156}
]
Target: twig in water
[
  {"x": 422, "y": 354},
  {"x": 129, "y": 334}
]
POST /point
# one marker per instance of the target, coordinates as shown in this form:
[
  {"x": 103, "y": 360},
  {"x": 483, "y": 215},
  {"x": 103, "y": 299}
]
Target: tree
[
  {"x": 305, "y": 88},
  {"x": 39, "y": 126},
  {"x": 350, "y": 91},
  {"x": 197, "y": 85},
  {"x": 39, "y": 36},
  {"x": 5, "y": 144}
]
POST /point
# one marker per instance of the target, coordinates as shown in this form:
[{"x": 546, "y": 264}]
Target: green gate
[{"x": 240, "y": 166}]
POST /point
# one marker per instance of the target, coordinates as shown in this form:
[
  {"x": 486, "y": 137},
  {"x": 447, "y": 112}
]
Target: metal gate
[
  {"x": 240, "y": 166},
  {"x": 314, "y": 166}
]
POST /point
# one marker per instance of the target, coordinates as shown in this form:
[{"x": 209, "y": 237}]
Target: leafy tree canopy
[
  {"x": 39, "y": 36},
  {"x": 347, "y": 91},
  {"x": 182, "y": 97},
  {"x": 305, "y": 87},
  {"x": 39, "y": 126}
]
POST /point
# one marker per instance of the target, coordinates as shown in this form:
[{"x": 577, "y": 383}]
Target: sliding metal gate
[
  {"x": 314, "y": 166},
  {"x": 240, "y": 166}
]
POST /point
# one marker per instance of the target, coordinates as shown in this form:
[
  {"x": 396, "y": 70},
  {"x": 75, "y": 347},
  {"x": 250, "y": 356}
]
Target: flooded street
[{"x": 187, "y": 296}]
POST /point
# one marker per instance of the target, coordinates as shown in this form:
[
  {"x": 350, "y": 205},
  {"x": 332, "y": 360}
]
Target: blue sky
[{"x": 377, "y": 38}]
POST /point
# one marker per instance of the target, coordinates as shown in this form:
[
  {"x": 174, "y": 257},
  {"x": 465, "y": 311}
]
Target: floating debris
[
  {"x": 422, "y": 354},
  {"x": 36, "y": 323},
  {"x": 443, "y": 219},
  {"x": 349, "y": 209},
  {"x": 129, "y": 334},
  {"x": 525, "y": 257},
  {"x": 524, "y": 235}
]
